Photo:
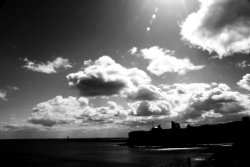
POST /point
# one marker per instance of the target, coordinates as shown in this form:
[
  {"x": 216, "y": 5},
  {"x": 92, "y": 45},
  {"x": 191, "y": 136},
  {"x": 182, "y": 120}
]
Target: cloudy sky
[{"x": 101, "y": 68}]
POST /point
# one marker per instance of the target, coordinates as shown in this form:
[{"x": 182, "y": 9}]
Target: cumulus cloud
[
  {"x": 162, "y": 61},
  {"x": 207, "y": 97},
  {"x": 245, "y": 82},
  {"x": 186, "y": 103},
  {"x": 58, "y": 110},
  {"x": 145, "y": 92},
  {"x": 50, "y": 67},
  {"x": 105, "y": 77},
  {"x": 152, "y": 108},
  {"x": 75, "y": 111},
  {"x": 3, "y": 95},
  {"x": 219, "y": 26},
  {"x": 195, "y": 102}
]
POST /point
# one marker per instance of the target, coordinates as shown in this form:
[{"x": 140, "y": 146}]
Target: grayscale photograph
[{"x": 124, "y": 83}]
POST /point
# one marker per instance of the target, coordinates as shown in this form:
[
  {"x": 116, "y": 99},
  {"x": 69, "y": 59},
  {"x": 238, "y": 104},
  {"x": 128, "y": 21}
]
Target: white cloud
[
  {"x": 133, "y": 50},
  {"x": 211, "y": 114},
  {"x": 245, "y": 82},
  {"x": 9, "y": 89},
  {"x": 75, "y": 111},
  {"x": 153, "y": 108},
  {"x": 49, "y": 67},
  {"x": 196, "y": 102},
  {"x": 3, "y": 95},
  {"x": 186, "y": 103},
  {"x": 58, "y": 110},
  {"x": 105, "y": 77},
  {"x": 243, "y": 64},
  {"x": 162, "y": 61},
  {"x": 220, "y": 26},
  {"x": 145, "y": 92}
]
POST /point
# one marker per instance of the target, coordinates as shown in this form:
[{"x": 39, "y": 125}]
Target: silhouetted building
[
  {"x": 157, "y": 129},
  {"x": 189, "y": 126},
  {"x": 177, "y": 136},
  {"x": 175, "y": 125},
  {"x": 246, "y": 119}
]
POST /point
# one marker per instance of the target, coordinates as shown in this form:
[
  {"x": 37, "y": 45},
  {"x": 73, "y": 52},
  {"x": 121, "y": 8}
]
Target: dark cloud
[
  {"x": 98, "y": 87},
  {"x": 105, "y": 77},
  {"x": 210, "y": 104}
]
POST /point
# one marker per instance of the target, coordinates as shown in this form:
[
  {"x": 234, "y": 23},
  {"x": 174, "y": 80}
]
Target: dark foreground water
[{"x": 62, "y": 153}]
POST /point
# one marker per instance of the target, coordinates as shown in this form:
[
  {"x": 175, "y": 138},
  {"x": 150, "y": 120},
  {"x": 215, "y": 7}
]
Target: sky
[{"x": 102, "y": 68}]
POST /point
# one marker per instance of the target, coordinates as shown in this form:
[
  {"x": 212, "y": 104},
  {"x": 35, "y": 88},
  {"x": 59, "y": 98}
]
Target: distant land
[
  {"x": 77, "y": 139},
  {"x": 190, "y": 136}
]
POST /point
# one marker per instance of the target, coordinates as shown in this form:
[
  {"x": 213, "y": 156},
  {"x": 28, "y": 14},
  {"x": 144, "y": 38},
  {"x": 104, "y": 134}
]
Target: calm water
[{"x": 60, "y": 153}]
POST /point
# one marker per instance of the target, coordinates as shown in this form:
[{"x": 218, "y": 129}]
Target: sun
[{"x": 163, "y": 5}]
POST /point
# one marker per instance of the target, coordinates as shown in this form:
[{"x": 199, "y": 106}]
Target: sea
[{"x": 94, "y": 153}]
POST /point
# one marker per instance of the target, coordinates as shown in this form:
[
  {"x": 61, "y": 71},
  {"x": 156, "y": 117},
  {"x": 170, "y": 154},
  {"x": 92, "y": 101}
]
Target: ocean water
[{"x": 62, "y": 153}]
